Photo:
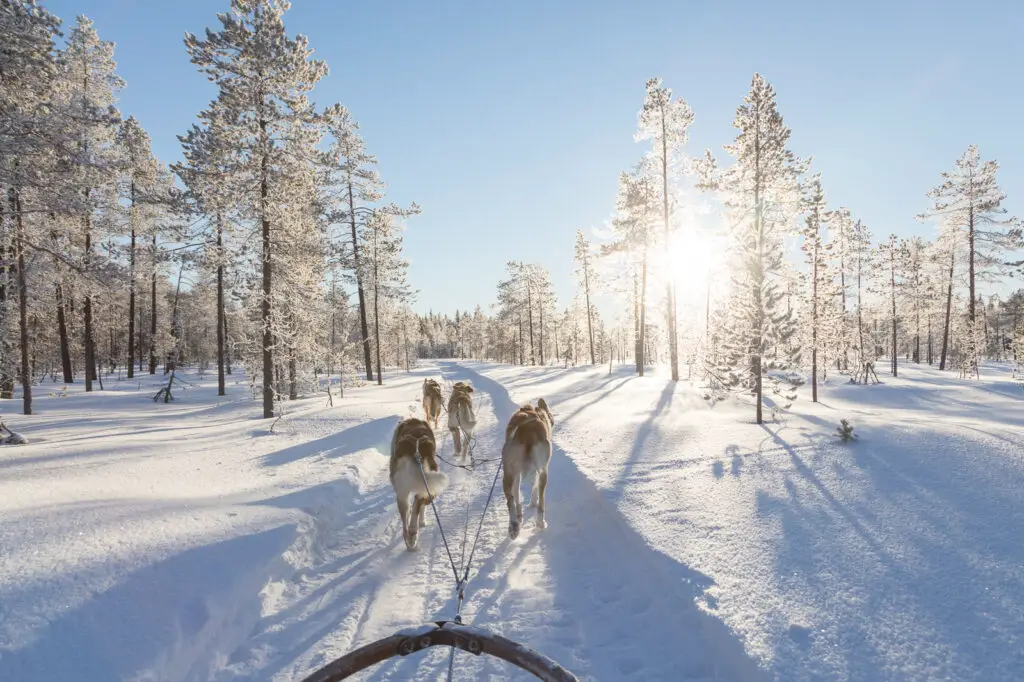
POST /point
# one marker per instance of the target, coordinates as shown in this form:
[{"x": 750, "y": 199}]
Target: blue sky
[{"x": 508, "y": 122}]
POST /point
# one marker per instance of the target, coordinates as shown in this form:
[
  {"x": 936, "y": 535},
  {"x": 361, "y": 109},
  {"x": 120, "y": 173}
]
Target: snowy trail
[
  {"x": 185, "y": 542},
  {"x": 588, "y": 591}
]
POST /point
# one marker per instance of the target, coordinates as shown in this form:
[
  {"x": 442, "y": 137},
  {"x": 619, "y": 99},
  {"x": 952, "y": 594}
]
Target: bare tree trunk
[
  {"x": 529, "y": 311},
  {"x": 376, "y": 324},
  {"x": 293, "y": 386},
  {"x": 221, "y": 322},
  {"x": 814, "y": 318},
  {"x": 673, "y": 351},
  {"x": 131, "y": 287},
  {"x": 949, "y": 311},
  {"x": 363, "y": 325},
  {"x": 860, "y": 312},
  {"x": 6, "y": 377},
  {"x": 152, "y": 314},
  {"x": 90, "y": 346},
  {"x": 758, "y": 341},
  {"x": 929, "y": 339},
  {"x": 541, "y": 311},
  {"x": 268, "y": 334},
  {"x": 637, "y": 337},
  {"x": 892, "y": 288},
  {"x": 590, "y": 312},
  {"x": 26, "y": 373}
]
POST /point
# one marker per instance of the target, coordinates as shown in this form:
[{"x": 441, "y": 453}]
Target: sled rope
[{"x": 460, "y": 583}]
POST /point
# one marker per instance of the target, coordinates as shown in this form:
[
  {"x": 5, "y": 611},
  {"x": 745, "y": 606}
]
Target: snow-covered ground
[{"x": 184, "y": 542}]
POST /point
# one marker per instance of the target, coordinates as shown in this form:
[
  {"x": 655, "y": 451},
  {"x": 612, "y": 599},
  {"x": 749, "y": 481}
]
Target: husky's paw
[
  {"x": 541, "y": 523},
  {"x": 410, "y": 540},
  {"x": 423, "y": 522},
  {"x": 532, "y": 503},
  {"x": 513, "y": 530}
]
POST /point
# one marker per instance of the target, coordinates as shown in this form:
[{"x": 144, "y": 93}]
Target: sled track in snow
[{"x": 588, "y": 591}]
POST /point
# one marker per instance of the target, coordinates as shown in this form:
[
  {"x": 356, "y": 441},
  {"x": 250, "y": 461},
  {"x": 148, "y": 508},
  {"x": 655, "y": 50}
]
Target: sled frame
[{"x": 443, "y": 633}]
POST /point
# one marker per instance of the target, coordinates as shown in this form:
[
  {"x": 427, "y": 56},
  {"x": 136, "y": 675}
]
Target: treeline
[
  {"x": 270, "y": 246},
  {"x": 765, "y": 318}
]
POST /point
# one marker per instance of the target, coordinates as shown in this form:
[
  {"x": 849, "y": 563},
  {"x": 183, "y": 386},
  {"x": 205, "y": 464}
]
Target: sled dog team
[{"x": 526, "y": 454}]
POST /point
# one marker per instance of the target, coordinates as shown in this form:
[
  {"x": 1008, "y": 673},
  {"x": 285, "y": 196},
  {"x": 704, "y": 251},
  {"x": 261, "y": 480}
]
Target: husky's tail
[
  {"x": 464, "y": 417},
  {"x": 409, "y": 481}
]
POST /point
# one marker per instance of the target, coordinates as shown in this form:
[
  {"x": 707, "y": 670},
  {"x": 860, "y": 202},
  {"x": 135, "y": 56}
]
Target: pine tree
[
  {"x": 27, "y": 136},
  {"x": 817, "y": 265},
  {"x": 842, "y": 229},
  {"x": 583, "y": 260},
  {"x": 210, "y": 173},
  {"x": 860, "y": 248},
  {"x": 89, "y": 87},
  {"x": 914, "y": 253},
  {"x": 633, "y": 236},
  {"x": 890, "y": 260},
  {"x": 969, "y": 199},
  {"x": 665, "y": 121},
  {"x": 761, "y": 192},
  {"x": 386, "y": 270},
  {"x": 146, "y": 194},
  {"x": 262, "y": 76}
]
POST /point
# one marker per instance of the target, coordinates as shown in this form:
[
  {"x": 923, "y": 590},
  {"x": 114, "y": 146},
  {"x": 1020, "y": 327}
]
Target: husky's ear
[
  {"x": 542, "y": 405},
  {"x": 405, "y": 445},
  {"x": 425, "y": 446}
]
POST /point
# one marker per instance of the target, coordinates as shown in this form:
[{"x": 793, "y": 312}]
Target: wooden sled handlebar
[{"x": 443, "y": 633}]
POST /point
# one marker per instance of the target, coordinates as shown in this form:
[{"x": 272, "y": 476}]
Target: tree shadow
[
  {"x": 375, "y": 433},
  {"x": 910, "y": 551},
  {"x": 167, "y": 615}
]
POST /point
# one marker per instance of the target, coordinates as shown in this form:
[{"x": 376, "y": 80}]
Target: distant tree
[
  {"x": 666, "y": 121},
  {"x": 817, "y": 265},
  {"x": 583, "y": 262},
  {"x": 890, "y": 260},
  {"x": 969, "y": 199}
]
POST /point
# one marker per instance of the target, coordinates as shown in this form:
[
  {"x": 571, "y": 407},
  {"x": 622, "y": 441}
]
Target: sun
[{"x": 693, "y": 261}]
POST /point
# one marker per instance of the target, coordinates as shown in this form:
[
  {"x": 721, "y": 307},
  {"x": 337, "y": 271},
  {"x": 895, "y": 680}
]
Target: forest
[{"x": 271, "y": 249}]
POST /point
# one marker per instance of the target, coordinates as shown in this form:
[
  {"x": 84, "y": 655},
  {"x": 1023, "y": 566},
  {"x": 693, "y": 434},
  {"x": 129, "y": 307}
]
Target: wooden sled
[{"x": 443, "y": 633}]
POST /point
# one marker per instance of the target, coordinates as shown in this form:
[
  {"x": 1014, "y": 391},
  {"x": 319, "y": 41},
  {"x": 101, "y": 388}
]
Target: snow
[{"x": 185, "y": 542}]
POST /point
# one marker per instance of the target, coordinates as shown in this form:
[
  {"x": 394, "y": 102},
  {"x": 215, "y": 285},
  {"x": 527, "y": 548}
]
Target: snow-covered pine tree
[
  {"x": 861, "y": 254},
  {"x": 27, "y": 138},
  {"x": 665, "y": 121},
  {"x": 915, "y": 254},
  {"x": 210, "y": 174},
  {"x": 633, "y": 235},
  {"x": 145, "y": 195},
  {"x": 88, "y": 91},
  {"x": 889, "y": 273},
  {"x": 761, "y": 194},
  {"x": 262, "y": 75},
  {"x": 355, "y": 190},
  {"x": 969, "y": 199},
  {"x": 385, "y": 269},
  {"x": 583, "y": 257},
  {"x": 817, "y": 272},
  {"x": 841, "y": 229},
  {"x": 299, "y": 259}
]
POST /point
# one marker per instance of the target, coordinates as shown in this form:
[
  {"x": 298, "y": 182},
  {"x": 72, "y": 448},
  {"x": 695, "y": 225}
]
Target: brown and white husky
[
  {"x": 527, "y": 452},
  {"x": 414, "y": 436},
  {"x": 461, "y": 420},
  {"x": 433, "y": 401}
]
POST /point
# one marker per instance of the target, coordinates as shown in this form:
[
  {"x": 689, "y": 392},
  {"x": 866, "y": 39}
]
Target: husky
[
  {"x": 414, "y": 436},
  {"x": 433, "y": 401},
  {"x": 527, "y": 452},
  {"x": 461, "y": 419}
]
